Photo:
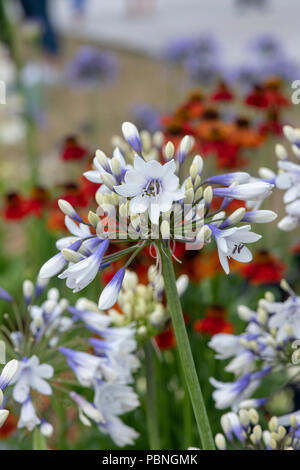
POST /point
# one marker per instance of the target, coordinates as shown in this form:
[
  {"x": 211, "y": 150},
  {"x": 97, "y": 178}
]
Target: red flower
[
  {"x": 222, "y": 93},
  {"x": 213, "y": 326},
  {"x": 214, "y": 322},
  {"x": 264, "y": 269},
  {"x": 166, "y": 340},
  {"x": 72, "y": 150},
  {"x": 257, "y": 98},
  {"x": 9, "y": 427},
  {"x": 16, "y": 207},
  {"x": 74, "y": 196}
]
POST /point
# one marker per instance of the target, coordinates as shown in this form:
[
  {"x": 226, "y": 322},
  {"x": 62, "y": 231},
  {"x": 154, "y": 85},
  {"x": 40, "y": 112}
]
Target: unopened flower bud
[
  {"x": 28, "y": 289},
  {"x": 93, "y": 219},
  {"x": 169, "y": 150},
  {"x": 220, "y": 442},
  {"x": 189, "y": 196},
  {"x": 108, "y": 180},
  {"x": 254, "y": 418},
  {"x": 266, "y": 173},
  {"x": 165, "y": 230},
  {"x": 273, "y": 424},
  {"x": 116, "y": 166},
  {"x": 244, "y": 417},
  {"x": 70, "y": 255},
  {"x": 208, "y": 195},
  {"x": 296, "y": 150},
  {"x": 290, "y": 133},
  {"x": 198, "y": 194},
  {"x": 244, "y": 312},
  {"x": 281, "y": 152},
  {"x": 102, "y": 158}
]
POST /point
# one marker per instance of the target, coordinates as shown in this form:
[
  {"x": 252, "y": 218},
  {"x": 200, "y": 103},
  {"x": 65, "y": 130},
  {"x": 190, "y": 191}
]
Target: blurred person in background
[{"x": 37, "y": 10}]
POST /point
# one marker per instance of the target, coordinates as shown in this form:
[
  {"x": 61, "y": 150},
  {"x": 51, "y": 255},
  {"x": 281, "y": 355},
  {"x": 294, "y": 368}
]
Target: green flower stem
[
  {"x": 184, "y": 349},
  {"x": 151, "y": 403}
]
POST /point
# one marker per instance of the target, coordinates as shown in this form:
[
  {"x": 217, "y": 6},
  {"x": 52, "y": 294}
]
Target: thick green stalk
[
  {"x": 151, "y": 404},
  {"x": 184, "y": 350}
]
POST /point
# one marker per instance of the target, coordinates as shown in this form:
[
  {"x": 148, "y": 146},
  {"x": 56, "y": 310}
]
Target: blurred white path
[{"x": 108, "y": 21}]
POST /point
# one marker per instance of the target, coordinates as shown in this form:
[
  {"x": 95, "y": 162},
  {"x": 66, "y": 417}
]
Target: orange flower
[
  {"x": 242, "y": 135},
  {"x": 199, "y": 266}
]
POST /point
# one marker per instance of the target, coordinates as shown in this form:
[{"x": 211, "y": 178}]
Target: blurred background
[{"x": 74, "y": 70}]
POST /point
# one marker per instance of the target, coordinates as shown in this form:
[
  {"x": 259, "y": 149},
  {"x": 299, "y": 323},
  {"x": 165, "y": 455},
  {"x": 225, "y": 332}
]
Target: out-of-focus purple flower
[
  {"x": 204, "y": 46},
  {"x": 146, "y": 117},
  {"x": 266, "y": 46},
  {"x": 91, "y": 67},
  {"x": 203, "y": 71}
]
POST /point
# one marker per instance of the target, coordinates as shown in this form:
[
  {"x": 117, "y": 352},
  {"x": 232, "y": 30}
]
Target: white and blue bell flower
[
  {"x": 225, "y": 345},
  {"x": 253, "y": 403},
  {"x": 81, "y": 274},
  {"x": 121, "y": 434},
  {"x": 31, "y": 375},
  {"x": 87, "y": 367},
  {"x": 28, "y": 417},
  {"x": 4, "y": 295},
  {"x": 152, "y": 186},
  {"x": 79, "y": 232},
  {"x": 243, "y": 362},
  {"x": 244, "y": 192},
  {"x": 283, "y": 314},
  {"x": 104, "y": 165},
  {"x": 115, "y": 399},
  {"x": 87, "y": 410},
  {"x": 17, "y": 339},
  {"x": 117, "y": 339},
  {"x": 230, "y": 244},
  {"x": 111, "y": 291},
  {"x": 231, "y": 394},
  {"x": 94, "y": 321},
  {"x": 57, "y": 263},
  {"x": 28, "y": 291},
  {"x": 8, "y": 373},
  {"x": 69, "y": 210},
  {"x": 227, "y": 179},
  {"x": 46, "y": 428},
  {"x": 232, "y": 427},
  {"x": 132, "y": 136},
  {"x": 40, "y": 286},
  {"x": 259, "y": 216},
  {"x": 184, "y": 148}
]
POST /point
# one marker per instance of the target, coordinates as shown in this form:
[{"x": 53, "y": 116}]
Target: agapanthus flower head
[
  {"x": 269, "y": 344},
  {"x": 244, "y": 431},
  {"x": 91, "y": 67},
  {"x": 144, "y": 198},
  {"x": 39, "y": 339}
]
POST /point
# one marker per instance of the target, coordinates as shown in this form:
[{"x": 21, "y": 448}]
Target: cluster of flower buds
[
  {"x": 144, "y": 198},
  {"x": 288, "y": 177},
  {"x": 243, "y": 431},
  {"x": 143, "y": 304},
  {"x": 270, "y": 343}
]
